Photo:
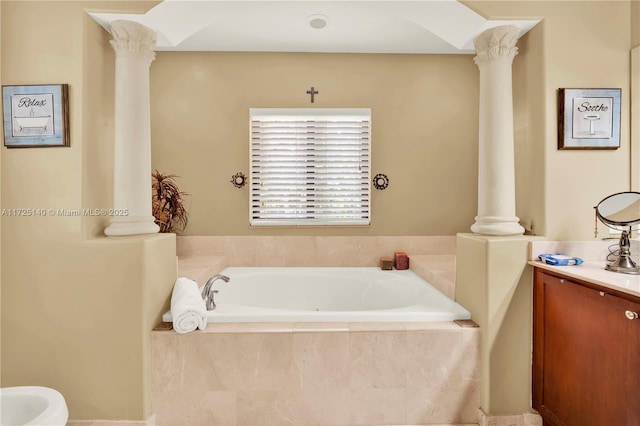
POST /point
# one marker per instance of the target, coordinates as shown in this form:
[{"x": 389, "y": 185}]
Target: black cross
[{"x": 312, "y": 92}]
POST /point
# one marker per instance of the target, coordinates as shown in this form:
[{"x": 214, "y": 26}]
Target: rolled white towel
[{"x": 187, "y": 307}]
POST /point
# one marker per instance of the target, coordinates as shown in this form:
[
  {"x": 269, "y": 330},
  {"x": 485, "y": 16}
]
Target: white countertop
[{"x": 594, "y": 272}]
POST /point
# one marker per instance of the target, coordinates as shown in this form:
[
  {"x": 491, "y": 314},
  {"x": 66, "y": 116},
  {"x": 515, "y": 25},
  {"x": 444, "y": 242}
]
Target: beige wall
[
  {"x": 432, "y": 99},
  {"x": 97, "y": 154},
  {"x": 77, "y": 308},
  {"x": 424, "y": 132},
  {"x": 556, "y": 189},
  {"x": 582, "y": 44},
  {"x": 635, "y": 23}
]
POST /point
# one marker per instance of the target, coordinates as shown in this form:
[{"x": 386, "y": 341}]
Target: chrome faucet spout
[{"x": 207, "y": 294}]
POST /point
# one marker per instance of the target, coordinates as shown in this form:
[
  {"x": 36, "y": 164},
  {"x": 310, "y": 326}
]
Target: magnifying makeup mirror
[{"x": 620, "y": 212}]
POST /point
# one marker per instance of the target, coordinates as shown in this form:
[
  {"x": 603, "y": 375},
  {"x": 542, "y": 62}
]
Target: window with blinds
[{"x": 310, "y": 166}]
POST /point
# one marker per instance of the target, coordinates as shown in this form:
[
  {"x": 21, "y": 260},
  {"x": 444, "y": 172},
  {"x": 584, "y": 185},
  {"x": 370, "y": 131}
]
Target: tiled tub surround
[
  {"x": 317, "y": 374},
  {"x": 310, "y": 251},
  {"x": 432, "y": 258}
]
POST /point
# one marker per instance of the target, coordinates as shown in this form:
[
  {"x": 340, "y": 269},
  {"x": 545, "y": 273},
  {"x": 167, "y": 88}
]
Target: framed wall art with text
[
  {"x": 36, "y": 115},
  {"x": 589, "y": 118}
]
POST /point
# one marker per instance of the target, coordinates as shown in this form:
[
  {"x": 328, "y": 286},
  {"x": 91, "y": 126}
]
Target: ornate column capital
[
  {"x": 132, "y": 38},
  {"x": 496, "y": 43}
]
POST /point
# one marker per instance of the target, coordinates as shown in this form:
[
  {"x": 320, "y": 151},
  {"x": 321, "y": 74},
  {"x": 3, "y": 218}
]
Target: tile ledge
[
  {"x": 318, "y": 327},
  {"x": 439, "y": 270}
]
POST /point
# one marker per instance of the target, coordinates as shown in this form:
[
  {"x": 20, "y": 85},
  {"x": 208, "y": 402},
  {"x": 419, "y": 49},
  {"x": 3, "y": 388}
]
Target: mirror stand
[
  {"x": 624, "y": 263},
  {"x": 619, "y": 211}
]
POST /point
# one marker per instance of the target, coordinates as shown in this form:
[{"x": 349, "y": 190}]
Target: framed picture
[
  {"x": 36, "y": 115},
  {"x": 589, "y": 118}
]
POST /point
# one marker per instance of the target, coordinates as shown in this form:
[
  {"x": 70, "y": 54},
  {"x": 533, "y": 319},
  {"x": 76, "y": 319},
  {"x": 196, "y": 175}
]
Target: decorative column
[
  {"x": 133, "y": 44},
  {"x": 495, "y": 50}
]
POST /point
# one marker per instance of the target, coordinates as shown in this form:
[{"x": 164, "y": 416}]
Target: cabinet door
[{"x": 585, "y": 355}]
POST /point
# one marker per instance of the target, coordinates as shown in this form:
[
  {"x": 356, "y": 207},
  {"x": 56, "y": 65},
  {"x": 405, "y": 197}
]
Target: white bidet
[{"x": 32, "y": 405}]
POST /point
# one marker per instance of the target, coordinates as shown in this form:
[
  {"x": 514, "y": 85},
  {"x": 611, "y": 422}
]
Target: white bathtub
[{"x": 309, "y": 294}]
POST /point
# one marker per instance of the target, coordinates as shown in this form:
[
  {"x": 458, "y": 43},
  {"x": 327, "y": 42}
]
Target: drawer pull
[
  {"x": 562, "y": 280},
  {"x": 631, "y": 315}
]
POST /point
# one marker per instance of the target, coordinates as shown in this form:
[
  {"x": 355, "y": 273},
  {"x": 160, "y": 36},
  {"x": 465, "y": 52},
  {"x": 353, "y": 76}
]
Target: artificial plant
[{"x": 168, "y": 203}]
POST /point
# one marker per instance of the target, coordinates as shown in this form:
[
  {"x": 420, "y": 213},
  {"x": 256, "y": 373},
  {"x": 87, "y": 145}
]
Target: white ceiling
[{"x": 355, "y": 26}]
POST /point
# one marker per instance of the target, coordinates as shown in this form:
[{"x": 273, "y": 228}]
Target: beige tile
[
  {"x": 250, "y": 327},
  {"x": 470, "y": 353},
  {"x": 347, "y": 251},
  {"x": 300, "y": 251},
  {"x": 318, "y": 407},
  {"x": 200, "y": 268},
  {"x": 317, "y": 327},
  {"x": 265, "y": 408},
  {"x": 434, "y": 358},
  {"x": 390, "y": 244},
  {"x": 224, "y": 361},
  {"x": 440, "y": 263},
  {"x": 430, "y": 325},
  {"x": 164, "y": 361},
  {"x": 240, "y": 250},
  {"x": 199, "y": 246},
  {"x": 270, "y": 251},
  {"x": 378, "y": 406},
  {"x": 378, "y": 359},
  {"x": 333, "y": 251},
  {"x": 368, "y": 251},
  {"x": 437, "y": 270},
  {"x": 322, "y": 360},
  {"x": 448, "y": 404},
  {"x": 253, "y": 361},
  {"x": 444, "y": 286},
  {"x": 376, "y": 326},
  {"x": 195, "y": 407},
  {"x": 322, "y": 407},
  {"x": 181, "y": 362},
  {"x": 184, "y": 246},
  {"x": 325, "y": 249}
]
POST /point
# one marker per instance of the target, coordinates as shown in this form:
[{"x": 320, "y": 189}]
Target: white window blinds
[{"x": 310, "y": 166}]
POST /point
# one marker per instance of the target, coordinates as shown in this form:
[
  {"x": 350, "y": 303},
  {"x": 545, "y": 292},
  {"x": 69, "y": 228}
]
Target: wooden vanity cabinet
[{"x": 586, "y": 353}]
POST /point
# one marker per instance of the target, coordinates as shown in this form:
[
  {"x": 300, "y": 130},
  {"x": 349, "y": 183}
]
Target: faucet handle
[{"x": 210, "y": 302}]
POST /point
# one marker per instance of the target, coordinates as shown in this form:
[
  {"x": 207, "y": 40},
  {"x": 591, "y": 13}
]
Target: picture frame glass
[
  {"x": 35, "y": 116},
  {"x": 589, "y": 118}
]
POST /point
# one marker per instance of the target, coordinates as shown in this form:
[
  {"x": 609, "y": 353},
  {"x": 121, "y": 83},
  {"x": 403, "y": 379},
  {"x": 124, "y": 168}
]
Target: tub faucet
[{"x": 208, "y": 294}]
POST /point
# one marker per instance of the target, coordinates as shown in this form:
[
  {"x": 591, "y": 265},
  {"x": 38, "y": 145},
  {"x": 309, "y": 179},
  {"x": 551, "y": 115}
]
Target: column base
[
  {"x": 131, "y": 225},
  {"x": 497, "y": 225}
]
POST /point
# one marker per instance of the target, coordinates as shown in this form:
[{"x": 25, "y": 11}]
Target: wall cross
[{"x": 312, "y": 92}]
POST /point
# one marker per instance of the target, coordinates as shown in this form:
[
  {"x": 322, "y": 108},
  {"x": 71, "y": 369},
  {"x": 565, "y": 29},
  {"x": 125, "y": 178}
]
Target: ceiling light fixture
[{"x": 318, "y": 21}]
